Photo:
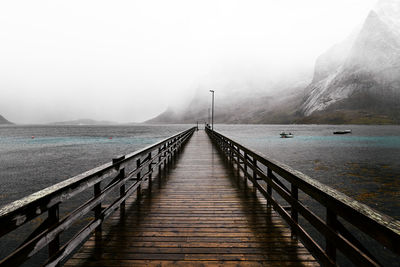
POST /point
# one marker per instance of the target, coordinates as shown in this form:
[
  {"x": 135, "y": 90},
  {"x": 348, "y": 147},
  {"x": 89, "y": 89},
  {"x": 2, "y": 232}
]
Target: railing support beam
[
  {"x": 138, "y": 178},
  {"x": 54, "y": 217},
  {"x": 269, "y": 187},
  {"x": 294, "y": 214},
  {"x": 97, "y": 210},
  {"x": 121, "y": 176},
  {"x": 331, "y": 219}
]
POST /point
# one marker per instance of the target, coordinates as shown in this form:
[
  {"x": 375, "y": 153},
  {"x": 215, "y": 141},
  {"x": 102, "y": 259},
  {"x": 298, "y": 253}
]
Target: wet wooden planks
[{"x": 199, "y": 213}]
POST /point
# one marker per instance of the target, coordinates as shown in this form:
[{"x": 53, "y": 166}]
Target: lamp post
[
  {"x": 209, "y": 116},
  {"x": 212, "y": 111}
]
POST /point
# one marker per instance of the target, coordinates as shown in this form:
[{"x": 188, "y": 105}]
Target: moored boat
[
  {"x": 286, "y": 135},
  {"x": 342, "y": 132}
]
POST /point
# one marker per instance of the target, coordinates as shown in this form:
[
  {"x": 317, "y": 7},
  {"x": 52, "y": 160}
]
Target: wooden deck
[{"x": 198, "y": 213}]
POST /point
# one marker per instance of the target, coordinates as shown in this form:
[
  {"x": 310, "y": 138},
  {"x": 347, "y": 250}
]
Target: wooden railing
[
  {"x": 126, "y": 174},
  {"x": 264, "y": 173}
]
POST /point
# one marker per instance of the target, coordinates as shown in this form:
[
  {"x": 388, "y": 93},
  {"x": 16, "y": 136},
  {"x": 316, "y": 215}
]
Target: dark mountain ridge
[
  {"x": 4, "y": 121},
  {"x": 84, "y": 122}
]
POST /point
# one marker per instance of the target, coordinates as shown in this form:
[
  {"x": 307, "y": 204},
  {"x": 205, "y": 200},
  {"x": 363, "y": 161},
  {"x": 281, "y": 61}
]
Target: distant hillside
[
  {"x": 4, "y": 121},
  {"x": 239, "y": 110},
  {"x": 84, "y": 122}
]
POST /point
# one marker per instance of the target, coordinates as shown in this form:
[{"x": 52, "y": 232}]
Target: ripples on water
[{"x": 58, "y": 152}]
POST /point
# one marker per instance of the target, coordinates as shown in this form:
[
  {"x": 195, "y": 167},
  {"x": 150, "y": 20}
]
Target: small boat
[
  {"x": 342, "y": 132},
  {"x": 286, "y": 135}
]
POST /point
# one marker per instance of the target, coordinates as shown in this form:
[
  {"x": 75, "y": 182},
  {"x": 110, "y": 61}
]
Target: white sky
[{"x": 129, "y": 60}]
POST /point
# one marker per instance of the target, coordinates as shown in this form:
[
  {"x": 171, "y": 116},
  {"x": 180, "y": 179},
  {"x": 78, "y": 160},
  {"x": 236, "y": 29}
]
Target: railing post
[
  {"x": 178, "y": 145},
  {"x": 269, "y": 187},
  {"x": 254, "y": 173},
  {"x": 138, "y": 178},
  {"x": 159, "y": 161},
  {"x": 230, "y": 153},
  {"x": 245, "y": 166},
  {"x": 294, "y": 214},
  {"x": 236, "y": 151},
  {"x": 170, "y": 151},
  {"x": 166, "y": 154},
  {"x": 122, "y": 192},
  {"x": 150, "y": 170},
  {"x": 121, "y": 176},
  {"x": 174, "y": 149},
  {"x": 331, "y": 219},
  {"x": 238, "y": 159},
  {"x": 54, "y": 216},
  {"x": 228, "y": 150},
  {"x": 97, "y": 210}
]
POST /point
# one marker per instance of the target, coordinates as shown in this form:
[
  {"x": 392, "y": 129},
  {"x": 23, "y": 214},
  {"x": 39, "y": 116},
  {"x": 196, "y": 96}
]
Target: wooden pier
[
  {"x": 200, "y": 214},
  {"x": 197, "y": 198}
]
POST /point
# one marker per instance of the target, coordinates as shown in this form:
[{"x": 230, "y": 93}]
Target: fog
[{"x": 127, "y": 61}]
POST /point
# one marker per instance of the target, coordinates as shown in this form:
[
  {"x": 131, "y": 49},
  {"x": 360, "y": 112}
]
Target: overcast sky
[{"x": 127, "y": 61}]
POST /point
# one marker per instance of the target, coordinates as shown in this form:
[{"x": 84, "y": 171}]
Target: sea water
[
  {"x": 364, "y": 165},
  {"x": 35, "y": 157}
]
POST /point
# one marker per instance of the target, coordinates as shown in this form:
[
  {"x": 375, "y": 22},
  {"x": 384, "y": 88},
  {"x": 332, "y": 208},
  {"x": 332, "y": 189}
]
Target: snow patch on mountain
[{"x": 320, "y": 96}]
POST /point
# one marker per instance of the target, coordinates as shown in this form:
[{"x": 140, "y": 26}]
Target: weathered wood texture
[{"x": 199, "y": 213}]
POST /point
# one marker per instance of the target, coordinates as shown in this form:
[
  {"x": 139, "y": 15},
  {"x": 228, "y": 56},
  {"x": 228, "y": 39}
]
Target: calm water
[{"x": 364, "y": 165}]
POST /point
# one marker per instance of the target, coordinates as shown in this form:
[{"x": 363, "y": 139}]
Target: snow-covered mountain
[
  {"x": 356, "y": 82},
  {"x": 363, "y": 71}
]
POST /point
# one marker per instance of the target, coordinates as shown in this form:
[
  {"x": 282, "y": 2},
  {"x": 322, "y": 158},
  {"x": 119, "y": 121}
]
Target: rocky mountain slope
[{"x": 359, "y": 79}]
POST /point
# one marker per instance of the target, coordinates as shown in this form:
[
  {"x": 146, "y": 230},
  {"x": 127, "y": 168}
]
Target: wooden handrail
[
  {"x": 382, "y": 228},
  {"x": 17, "y": 213}
]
